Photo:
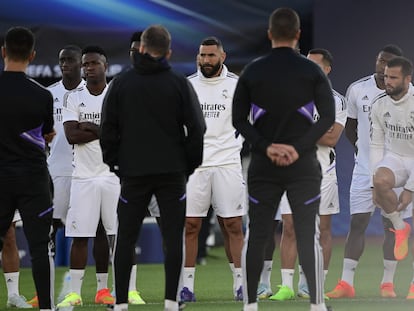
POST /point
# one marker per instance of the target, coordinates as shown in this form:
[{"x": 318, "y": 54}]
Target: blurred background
[{"x": 354, "y": 31}]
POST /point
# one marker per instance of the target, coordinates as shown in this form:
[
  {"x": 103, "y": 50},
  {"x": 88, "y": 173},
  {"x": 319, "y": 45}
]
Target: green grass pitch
[{"x": 213, "y": 285}]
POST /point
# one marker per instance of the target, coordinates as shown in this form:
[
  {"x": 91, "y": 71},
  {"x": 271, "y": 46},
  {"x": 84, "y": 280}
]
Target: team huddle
[{"x": 90, "y": 156}]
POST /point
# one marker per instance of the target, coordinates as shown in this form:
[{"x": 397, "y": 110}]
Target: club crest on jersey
[{"x": 225, "y": 94}]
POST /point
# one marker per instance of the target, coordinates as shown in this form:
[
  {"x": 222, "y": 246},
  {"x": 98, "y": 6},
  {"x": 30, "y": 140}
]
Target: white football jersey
[
  {"x": 360, "y": 96},
  {"x": 215, "y": 94},
  {"x": 325, "y": 154},
  {"x": 82, "y": 106},
  {"x": 61, "y": 153},
  {"x": 392, "y": 126}
]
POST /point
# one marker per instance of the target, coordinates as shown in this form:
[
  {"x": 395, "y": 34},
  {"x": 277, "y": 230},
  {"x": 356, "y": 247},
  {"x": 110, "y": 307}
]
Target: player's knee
[
  {"x": 79, "y": 242},
  {"x": 288, "y": 231},
  {"x": 325, "y": 236},
  {"x": 192, "y": 225},
  {"x": 382, "y": 182},
  {"x": 325, "y": 229},
  {"x": 359, "y": 223},
  {"x": 233, "y": 225}
]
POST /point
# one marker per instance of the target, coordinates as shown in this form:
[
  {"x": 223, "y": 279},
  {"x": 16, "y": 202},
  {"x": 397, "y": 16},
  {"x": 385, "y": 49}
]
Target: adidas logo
[
  {"x": 9, "y": 281},
  {"x": 365, "y": 97},
  {"x": 56, "y": 100},
  {"x": 82, "y": 105},
  {"x": 239, "y": 207},
  {"x": 387, "y": 115},
  {"x": 331, "y": 205},
  {"x": 190, "y": 276}
]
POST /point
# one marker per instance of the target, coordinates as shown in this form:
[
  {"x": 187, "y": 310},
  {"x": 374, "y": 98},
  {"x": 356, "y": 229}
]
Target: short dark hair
[
  {"x": 392, "y": 49},
  {"x": 94, "y": 49},
  {"x": 326, "y": 55},
  {"x": 73, "y": 48},
  {"x": 157, "y": 40},
  {"x": 212, "y": 41},
  {"x": 284, "y": 23},
  {"x": 405, "y": 64},
  {"x": 19, "y": 43},
  {"x": 136, "y": 37}
]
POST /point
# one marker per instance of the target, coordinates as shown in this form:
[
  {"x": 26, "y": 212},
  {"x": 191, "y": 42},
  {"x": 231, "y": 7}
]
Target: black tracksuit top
[
  {"x": 277, "y": 87},
  {"x": 26, "y": 115},
  {"x": 151, "y": 121}
]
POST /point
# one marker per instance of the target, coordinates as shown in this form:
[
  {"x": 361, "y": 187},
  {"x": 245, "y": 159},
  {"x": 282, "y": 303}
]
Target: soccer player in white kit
[
  {"x": 329, "y": 195},
  {"x": 60, "y": 163},
  {"x": 218, "y": 180},
  {"x": 360, "y": 95},
  {"x": 60, "y": 160},
  {"x": 94, "y": 190},
  {"x": 392, "y": 150}
]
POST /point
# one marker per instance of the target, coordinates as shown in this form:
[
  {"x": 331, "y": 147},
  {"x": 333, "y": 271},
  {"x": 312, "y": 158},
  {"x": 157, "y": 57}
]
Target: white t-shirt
[
  {"x": 324, "y": 152},
  {"x": 392, "y": 127},
  {"x": 82, "y": 106},
  {"x": 60, "y": 160},
  {"x": 215, "y": 94},
  {"x": 360, "y": 96}
]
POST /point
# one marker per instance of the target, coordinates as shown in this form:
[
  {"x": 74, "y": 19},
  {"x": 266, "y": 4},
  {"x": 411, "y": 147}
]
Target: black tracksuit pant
[
  {"x": 266, "y": 184},
  {"x": 136, "y": 193},
  {"x": 31, "y": 195}
]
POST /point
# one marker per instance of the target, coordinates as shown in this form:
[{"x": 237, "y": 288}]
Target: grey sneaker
[
  {"x": 16, "y": 301},
  {"x": 65, "y": 287},
  {"x": 264, "y": 291},
  {"x": 303, "y": 291}
]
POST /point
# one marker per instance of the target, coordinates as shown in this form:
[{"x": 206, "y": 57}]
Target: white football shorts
[
  {"x": 16, "y": 216},
  {"x": 329, "y": 199},
  {"x": 92, "y": 199},
  {"x": 221, "y": 186},
  {"x": 153, "y": 208},
  {"x": 61, "y": 197}
]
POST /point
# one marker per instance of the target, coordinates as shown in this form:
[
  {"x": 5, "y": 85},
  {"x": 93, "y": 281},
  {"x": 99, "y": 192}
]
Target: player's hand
[
  {"x": 282, "y": 154},
  {"x": 406, "y": 197},
  {"x": 49, "y": 137}
]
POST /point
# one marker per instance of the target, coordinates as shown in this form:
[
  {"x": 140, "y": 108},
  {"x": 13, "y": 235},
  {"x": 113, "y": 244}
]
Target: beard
[
  {"x": 395, "y": 91},
  {"x": 209, "y": 71}
]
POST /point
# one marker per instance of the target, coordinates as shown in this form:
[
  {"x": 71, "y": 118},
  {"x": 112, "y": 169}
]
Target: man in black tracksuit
[
  {"x": 25, "y": 128},
  {"x": 280, "y": 90},
  {"x": 152, "y": 137}
]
